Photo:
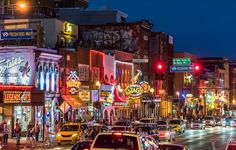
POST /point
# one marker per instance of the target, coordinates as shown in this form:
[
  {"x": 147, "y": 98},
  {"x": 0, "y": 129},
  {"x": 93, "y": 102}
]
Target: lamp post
[{"x": 98, "y": 85}]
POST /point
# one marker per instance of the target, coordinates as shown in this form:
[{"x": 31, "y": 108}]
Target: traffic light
[
  {"x": 196, "y": 68},
  {"x": 159, "y": 71}
]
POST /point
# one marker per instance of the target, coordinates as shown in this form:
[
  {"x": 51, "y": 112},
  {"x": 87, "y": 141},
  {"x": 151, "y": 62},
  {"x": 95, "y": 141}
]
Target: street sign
[
  {"x": 16, "y": 34},
  {"x": 181, "y": 61},
  {"x": 186, "y": 68}
]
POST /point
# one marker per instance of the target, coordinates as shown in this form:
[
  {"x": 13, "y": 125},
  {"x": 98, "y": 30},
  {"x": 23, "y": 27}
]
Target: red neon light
[
  {"x": 16, "y": 87},
  {"x": 90, "y": 57}
]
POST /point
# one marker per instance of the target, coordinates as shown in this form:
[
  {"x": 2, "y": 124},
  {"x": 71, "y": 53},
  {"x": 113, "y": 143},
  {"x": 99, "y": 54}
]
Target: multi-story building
[
  {"x": 213, "y": 85},
  {"x": 27, "y": 9},
  {"x": 162, "y": 51},
  {"x": 81, "y": 4},
  {"x": 184, "y": 85},
  {"x": 232, "y": 86},
  {"x": 91, "y": 17}
]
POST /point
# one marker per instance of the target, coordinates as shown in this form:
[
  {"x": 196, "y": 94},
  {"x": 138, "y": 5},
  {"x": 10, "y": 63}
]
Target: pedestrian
[
  {"x": 37, "y": 131},
  {"x": 17, "y": 131},
  {"x": 47, "y": 139},
  {"x": 28, "y": 134},
  {"x": 5, "y": 135}
]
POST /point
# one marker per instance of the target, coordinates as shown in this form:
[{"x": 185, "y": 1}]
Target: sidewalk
[{"x": 12, "y": 143}]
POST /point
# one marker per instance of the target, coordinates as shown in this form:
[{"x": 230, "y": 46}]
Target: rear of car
[
  {"x": 166, "y": 133},
  {"x": 231, "y": 145},
  {"x": 228, "y": 122},
  {"x": 178, "y": 125},
  {"x": 210, "y": 121},
  {"x": 197, "y": 125},
  {"x": 116, "y": 140},
  {"x": 120, "y": 128}
]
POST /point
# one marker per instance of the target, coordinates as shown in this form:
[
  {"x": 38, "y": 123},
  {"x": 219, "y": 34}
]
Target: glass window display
[{"x": 23, "y": 115}]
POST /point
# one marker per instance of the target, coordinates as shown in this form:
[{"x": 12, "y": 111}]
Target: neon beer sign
[{"x": 73, "y": 83}]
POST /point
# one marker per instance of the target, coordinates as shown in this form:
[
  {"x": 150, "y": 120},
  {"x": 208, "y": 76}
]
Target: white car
[
  {"x": 210, "y": 121},
  {"x": 231, "y": 145},
  {"x": 198, "y": 125},
  {"x": 124, "y": 141},
  {"x": 166, "y": 133}
]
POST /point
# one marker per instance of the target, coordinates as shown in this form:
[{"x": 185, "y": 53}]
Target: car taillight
[{"x": 118, "y": 134}]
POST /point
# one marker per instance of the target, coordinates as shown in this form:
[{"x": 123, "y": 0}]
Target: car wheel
[
  {"x": 173, "y": 139},
  {"x": 58, "y": 143}
]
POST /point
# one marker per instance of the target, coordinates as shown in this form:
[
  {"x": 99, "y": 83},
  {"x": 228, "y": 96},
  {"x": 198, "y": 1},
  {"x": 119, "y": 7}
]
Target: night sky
[{"x": 203, "y": 27}]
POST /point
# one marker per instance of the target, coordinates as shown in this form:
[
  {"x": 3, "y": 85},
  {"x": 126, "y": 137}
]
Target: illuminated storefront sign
[
  {"x": 16, "y": 97},
  {"x": 84, "y": 95},
  {"x": 16, "y": 34},
  {"x": 106, "y": 94},
  {"x": 73, "y": 83},
  {"x": 145, "y": 86},
  {"x": 134, "y": 91},
  {"x": 17, "y": 68},
  {"x": 67, "y": 28}
]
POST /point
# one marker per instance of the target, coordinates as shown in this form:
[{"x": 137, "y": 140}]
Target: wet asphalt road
[
  {"x": 217, "y": 137},
  {"x": 206, "y": 139}
]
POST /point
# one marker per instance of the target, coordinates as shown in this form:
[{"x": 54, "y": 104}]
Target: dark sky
[{"x": 203, "y": 27}]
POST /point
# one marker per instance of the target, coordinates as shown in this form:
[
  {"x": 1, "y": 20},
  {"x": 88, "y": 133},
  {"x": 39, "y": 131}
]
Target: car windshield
[
  {"x": 174, "y": 122},
  {"x": 162, "y": 128},
  {"x": 209, "y": 118},
  {"x": 145, "y": 120},
  {"x": 116, "y": 142},
  {"x": 69, "y": 128},
  {"x": 121, "y": 123},
  {"x": 161, "y": 122},
  {"x": 169, "y": 147},
  {"x": 118, "y": 128}
]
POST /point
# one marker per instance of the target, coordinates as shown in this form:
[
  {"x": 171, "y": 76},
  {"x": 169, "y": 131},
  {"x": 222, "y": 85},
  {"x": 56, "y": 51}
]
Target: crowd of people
[{"x": 32, "y": 133}]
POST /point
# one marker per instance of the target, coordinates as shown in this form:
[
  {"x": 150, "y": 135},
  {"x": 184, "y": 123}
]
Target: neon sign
[
  {"x": 16, "y": 97},
  {"x": 73, "y": 83},
  {"x": 134, "y": 90},
  {"x": 17, "y": 68},
  {"x": 67, "y": 28}
]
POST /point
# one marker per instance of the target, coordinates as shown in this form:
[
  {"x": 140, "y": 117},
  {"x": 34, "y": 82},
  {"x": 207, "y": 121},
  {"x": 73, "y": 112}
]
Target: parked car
[
  {"x": 231, "y": 145},
  {"x": 172, "y": 147},
  {"x": 178, "y": 125},
  {"x": 123, "y": 140},
  {"x": 197, "y": 124},
  {"x": 82, "y": 145},
  {"x": 210, "y": 121},
  {"x": 219, "y": 121},
  {"x": 166, "y": 133}
]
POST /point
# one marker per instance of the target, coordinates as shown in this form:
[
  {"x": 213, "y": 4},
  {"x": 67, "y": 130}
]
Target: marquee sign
[
  {"x": 73, "y": 83},
  {"x": 17, "y": 68},
  {"x": 16, "y": 97},
  {"x": 134, "y": 91}
]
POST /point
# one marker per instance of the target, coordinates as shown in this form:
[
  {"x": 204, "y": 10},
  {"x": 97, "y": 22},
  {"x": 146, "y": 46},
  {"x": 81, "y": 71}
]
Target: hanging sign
[{"x": 73, "y": 83}]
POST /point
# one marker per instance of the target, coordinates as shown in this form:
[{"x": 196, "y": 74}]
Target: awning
[{"x": 72, "y": 101}]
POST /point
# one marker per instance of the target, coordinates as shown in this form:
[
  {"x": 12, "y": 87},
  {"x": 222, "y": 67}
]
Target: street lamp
[
  {"x": 98, "y": 84},
  {"x": 177, "y": 93},
  {"x": 152, "y": 90}
]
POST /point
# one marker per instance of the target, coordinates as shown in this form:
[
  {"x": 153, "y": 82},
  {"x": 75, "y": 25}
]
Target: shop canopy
[{"x": 72, "y": 101}]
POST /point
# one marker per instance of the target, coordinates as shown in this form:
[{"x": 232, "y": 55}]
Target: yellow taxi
[
  {"x": 178, "y": 125},
  {"x": 70, "y": 133}
]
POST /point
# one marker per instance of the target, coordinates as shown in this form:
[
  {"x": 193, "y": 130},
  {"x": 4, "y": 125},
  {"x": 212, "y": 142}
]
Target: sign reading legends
[{"x": 16, "y": 34}]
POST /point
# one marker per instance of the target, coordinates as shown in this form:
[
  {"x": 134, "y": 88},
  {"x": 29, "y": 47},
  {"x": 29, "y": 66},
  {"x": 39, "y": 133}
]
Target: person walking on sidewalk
[
  {"x": 47, "y": 140},
  {"x": 5, "y": 135},
  {"x": 17, "y": 131},
  {"x": 37, "y": 131}
]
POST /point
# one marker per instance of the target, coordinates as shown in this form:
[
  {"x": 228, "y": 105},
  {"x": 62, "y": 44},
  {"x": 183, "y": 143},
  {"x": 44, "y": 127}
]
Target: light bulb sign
[
  {"x": 73, "y": 83},
  {"x": 17, "y": 68},
  {"x": 16, "y": 96},
  {"x": 134, "y": 91}
]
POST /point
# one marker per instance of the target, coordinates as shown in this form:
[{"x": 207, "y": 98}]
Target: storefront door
[{"x": 22, "y": 115}]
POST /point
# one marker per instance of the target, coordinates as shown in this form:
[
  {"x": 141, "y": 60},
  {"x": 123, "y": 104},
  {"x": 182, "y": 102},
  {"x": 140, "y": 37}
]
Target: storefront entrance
[{"x": 22, "y": 115}]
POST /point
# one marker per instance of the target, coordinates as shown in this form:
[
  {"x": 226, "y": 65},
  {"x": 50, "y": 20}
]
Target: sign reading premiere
[
  {"x": 16, "y": 97},
  {"x": 17, "y": 68}
]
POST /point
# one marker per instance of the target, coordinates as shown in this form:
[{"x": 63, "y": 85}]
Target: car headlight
[
  {"x": 211, "y": 122},
  {"x": 231, "y": 122},
  {"x": 191, "y": 124},
  {"x": 75, "y": 134},
  {"x": 224, "y": 122},
  {"x": 58, "y": 134},
  {"x": 204, "y": 121}
]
